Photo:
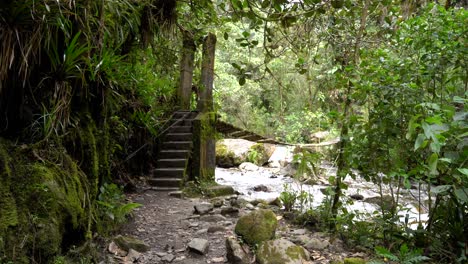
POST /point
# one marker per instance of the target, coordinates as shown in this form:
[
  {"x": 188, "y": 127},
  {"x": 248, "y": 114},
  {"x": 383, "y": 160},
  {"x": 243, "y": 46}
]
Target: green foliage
[
  {"x": 288, "y": 197},
  {"x": 404, "y": 256},
  {"x": 112, "y": 208}
]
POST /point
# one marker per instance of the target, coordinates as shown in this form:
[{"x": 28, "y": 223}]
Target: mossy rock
[
  {"x": 354, "y": 261},
  {"x": 257, "y": 226},
  {"x": 226, "y": 158},
  {"x": 127, "y": 243},
  {"x": 385, "y": 202},
  {"x": 281, "y": 251},
  {"x": 219, "y": 190}
]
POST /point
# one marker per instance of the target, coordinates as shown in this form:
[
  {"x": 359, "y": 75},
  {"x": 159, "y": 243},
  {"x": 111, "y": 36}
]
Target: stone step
[
  {"x": 178, "y": 137},
  {"x": 171, "y": 163},
  {"x": 166, "y": 182},
  {"x": 169, "y": 172},
  {"x": 173, "y": 154},
  {"x": 165, "y": 189},
  {"x": 177, "y": 145},
  {"x": 183, "y": 122},
  {"x": 180, "y": 129}
]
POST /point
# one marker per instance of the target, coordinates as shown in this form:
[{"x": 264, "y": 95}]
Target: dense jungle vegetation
[{"x": 86, "y": 87}]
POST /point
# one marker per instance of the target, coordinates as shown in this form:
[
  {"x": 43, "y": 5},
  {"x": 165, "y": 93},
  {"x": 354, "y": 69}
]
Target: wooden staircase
[{"x": 173, "y": 159}]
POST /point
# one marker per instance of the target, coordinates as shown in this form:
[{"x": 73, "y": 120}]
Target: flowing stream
[{"x": 245, "y": 178}]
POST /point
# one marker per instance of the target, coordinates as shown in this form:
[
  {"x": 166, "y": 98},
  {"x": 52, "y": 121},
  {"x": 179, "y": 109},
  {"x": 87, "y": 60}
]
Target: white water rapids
[{"x": 243, "y": 181}]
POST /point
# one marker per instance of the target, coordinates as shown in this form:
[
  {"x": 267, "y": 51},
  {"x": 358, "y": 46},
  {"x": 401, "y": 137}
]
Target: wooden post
[
  {"x": 186, "y": 71},
  {"x": 205, "y": 100}
]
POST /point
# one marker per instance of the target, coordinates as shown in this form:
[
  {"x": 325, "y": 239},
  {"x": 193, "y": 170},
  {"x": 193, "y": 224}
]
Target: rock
[
  {"x": 201, "y": 232},
  {"x": 257, "y": 226},
  {"x": 249, "y": 206},
  {"x": 248, "y": 166},
  {"x": 116, "y": 250},
  {"x": 220, "y": 190},
  {"x": 274, "y": 201},
  {"x": 199, "y": 245},
  {"x": 384, "y": 202},
  {"x": 289, "y": 170},
  {"x": 127, "y": 243},
  {"x": 281, "y": 251},
  {"x": 132, "y": 256},
  {"x": 235, "y": 253},
  {"x": 168, "y": 258},
  {"x": 216, "y": 228},
  {"x": 212, "y": 218},
  {"x": 274, "y": 164},
  {"x": 217, "y": 202},
  {"x": 203, "y": 208},
  {"x": 229, "y": 210},
  {"x": 261, "y": 188},
  {"x": 218, "y": 260},
  {"x": 176, "y": 194},
  {"x": 316, "y": 244},
  {"x": 299, "y": 232},
  {"x": 354, "y": 261},
  {"x": 258, "y": 201},
  {"x": 232, "y": 152},
  {"x": 319, "y": 136},
  {"x": 357, "y": 197}
]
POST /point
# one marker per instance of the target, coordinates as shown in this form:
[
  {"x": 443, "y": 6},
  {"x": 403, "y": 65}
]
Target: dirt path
[{"x": 167, "y": 224}]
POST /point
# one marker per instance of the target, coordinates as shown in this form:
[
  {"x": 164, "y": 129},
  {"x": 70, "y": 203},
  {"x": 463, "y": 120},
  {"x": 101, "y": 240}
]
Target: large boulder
[
  {"x": 233, "y": 152},
  {"x": 281, "y": 251},
  {"x": 257, "y": 226}
]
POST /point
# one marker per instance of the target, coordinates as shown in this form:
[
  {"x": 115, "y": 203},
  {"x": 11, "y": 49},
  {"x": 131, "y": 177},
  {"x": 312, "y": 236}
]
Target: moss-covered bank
[{"x": 44, "y": 202}]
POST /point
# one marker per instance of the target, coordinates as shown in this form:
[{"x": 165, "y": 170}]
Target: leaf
[
  {"x": 412, "y": 126},
  {"x": 383, "y": 252},
  {"x": 462, "y": 195},
  {"x": 235, "y": 65},
  {"x": 419, "y": 141},
  {"x": 226, "y": 36},
  {"x": 241, "y": 81},
  {"x": 463, "y": 171},
  {"x": 432, "y": 162},
  {"x": 441, "y": 189}
]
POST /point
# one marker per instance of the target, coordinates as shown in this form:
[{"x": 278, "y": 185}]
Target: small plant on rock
[{"x": 288, "y": 197}]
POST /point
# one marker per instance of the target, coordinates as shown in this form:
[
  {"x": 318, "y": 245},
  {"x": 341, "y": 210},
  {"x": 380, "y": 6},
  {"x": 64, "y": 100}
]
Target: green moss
[
  {"x": 296, "y": 252},
  {"x": 281, "y": 251},
  {"x": 225, "y": 158},
  {"x": 257, "y": 226},
  {"x": 8, "y": 211},
  {"x": 45, "y": 201},
  {"x": 219, "y": 190},
  {"x": 354, "y": 261}
]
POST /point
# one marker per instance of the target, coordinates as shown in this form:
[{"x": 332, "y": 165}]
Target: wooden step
[
  {"x": 165, "y": 182},
  {"x": 177, "y": 145},
  {"x": 179, "y": 137},
  {"x": 173, "y": 154},
  {"x": 171, "y": 163},
  {"x": 168, "y": 172}
]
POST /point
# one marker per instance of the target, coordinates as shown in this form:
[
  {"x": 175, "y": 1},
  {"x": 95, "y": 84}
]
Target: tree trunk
[
  {"x": 205, "y": 100},
  {"x": 186, "y": 71}
]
